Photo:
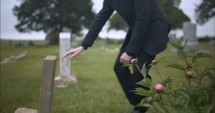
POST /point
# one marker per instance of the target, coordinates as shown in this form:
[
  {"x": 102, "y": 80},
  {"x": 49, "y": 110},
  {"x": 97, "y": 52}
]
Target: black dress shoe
[
  {"x": 140, "y": 110},
  {"x": 135, "y": 111}
]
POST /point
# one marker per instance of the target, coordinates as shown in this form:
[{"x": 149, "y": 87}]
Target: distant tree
[
  {"x": 117, "y": 23},
  {"x": 205, "y": 11},
  {"x": 174, "y": 14},
  {"x": 51, "y": 16},
  {"x": 53, "y": 37}
]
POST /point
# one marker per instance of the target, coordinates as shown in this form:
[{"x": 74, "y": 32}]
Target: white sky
[{"x": 8, "y": 21}]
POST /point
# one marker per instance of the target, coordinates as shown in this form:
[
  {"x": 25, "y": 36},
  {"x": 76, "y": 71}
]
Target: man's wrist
[
  {"x": 85, "y": 46},
  {"x": 130, "y": 54},
  {"x": 82, "y": 47}
]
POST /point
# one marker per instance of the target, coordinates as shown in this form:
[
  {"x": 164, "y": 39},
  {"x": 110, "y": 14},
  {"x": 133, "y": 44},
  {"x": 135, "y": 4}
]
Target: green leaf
[
  {"x": 144, "y": 105},
  {"x": 200, "y": 55},
  {"x": 144, "y": 70},
  {"x": 194, "y": 98},
  {"x": 166, "y": 81},
  {"x": 162, "y": 109},
  {"x": 142, "y": 92},
  {"x": 145, "y": 82},
  {"x": 185, "y": 44},
  {"x": 207, "y": 109},
  {"x": 126, "y": 65},
  {"x": 182, "y": 55},
  {"x": 184, "y": 94},
  {"x": 176, "y": 66},
  {"x": 177, "y": 45},
  {"x": 159, "y": 60}
]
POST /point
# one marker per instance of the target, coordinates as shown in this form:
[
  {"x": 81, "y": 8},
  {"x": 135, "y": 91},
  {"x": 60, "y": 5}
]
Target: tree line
[{"x": 53, "y": 16}]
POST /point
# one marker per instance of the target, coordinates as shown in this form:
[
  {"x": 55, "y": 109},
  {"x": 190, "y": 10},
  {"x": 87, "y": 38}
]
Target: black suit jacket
[{"x": 148, "y": 28}]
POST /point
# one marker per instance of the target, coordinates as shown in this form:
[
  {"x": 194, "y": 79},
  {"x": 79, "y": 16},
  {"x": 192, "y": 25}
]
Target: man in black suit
[{"x": 146, "y": 37}]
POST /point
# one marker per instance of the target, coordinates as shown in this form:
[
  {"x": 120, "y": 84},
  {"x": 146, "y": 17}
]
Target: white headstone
[
  {"x": 65, "y": 77},
  {"x": 189, "y": 34},
  {"x": 65, "y": 69}
]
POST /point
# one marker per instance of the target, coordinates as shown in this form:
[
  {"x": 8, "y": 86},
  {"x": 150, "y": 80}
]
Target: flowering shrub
[{"x": 196, "y": 97}]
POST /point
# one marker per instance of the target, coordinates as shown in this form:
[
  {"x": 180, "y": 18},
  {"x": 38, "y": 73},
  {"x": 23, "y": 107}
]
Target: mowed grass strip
[{"x": 97, "y": 91}]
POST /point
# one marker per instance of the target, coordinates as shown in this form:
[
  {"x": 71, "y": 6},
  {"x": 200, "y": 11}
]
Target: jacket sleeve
[
  {"x": 142, "y": 12},
  {"x": 98, "y": 23}
]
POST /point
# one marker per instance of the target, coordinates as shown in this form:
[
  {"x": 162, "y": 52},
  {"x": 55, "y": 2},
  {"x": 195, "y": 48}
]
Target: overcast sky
[{"x": 8, "y": 21}]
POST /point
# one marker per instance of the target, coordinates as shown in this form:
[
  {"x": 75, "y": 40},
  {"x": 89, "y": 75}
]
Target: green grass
[{"x": 98, "y": 90}]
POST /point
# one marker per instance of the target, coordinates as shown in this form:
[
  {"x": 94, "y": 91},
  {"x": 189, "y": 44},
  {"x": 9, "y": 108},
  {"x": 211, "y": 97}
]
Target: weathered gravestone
[
  {"x": 26, "y": 110},
  {"x": 65, "y": 77},
  {"x": 189, "y": 34},
  {"x": 47, "y": 84},
  {"x": 13, "y": 58}
]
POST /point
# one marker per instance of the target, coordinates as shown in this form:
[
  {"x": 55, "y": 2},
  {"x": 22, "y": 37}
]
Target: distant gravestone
[
  {"x": 189, "y": 34},
  {"x": 13, "y": 58},
  {"x": 65, "y": 77}
]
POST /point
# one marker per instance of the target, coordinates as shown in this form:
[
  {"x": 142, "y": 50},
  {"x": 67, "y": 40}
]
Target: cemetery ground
[{"x": 97, "y": 90}]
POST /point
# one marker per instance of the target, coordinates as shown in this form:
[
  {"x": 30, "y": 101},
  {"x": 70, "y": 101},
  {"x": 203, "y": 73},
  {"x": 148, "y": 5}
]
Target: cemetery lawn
[{"x": 97, "y": 91}]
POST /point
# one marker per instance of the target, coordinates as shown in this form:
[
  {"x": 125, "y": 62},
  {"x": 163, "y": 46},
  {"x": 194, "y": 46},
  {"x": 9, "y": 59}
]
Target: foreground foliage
[{"x": 196, "y": 95}]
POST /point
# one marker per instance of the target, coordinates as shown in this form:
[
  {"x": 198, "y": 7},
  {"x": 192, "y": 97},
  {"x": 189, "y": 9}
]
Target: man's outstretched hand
[{"x": 74, "y": 52}]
